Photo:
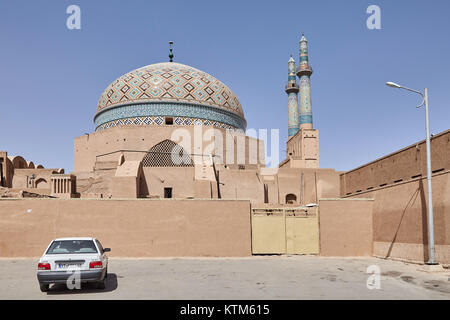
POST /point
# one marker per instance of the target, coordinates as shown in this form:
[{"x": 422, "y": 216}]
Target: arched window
[
  {"x": 167, "y": 154},
  {"x": 291, "y": 198},
  {"x": 41, "y": 183}
]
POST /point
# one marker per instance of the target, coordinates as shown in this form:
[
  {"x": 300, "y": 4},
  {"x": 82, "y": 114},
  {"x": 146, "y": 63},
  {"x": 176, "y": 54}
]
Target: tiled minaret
[
  {"x": 302, "y": 147},
  {"x": 292, "y": 92},
  {"x": 304, "y": 73}
]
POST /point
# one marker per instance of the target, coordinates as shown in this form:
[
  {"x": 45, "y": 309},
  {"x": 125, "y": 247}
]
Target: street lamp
[{"x": 431, "y": 259}]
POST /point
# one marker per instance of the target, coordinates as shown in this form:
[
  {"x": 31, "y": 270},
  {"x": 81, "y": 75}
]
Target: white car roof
[{"x": 74, "y": 238}]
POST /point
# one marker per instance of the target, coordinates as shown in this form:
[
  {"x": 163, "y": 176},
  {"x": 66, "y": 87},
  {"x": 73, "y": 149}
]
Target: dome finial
[{"x": 170, "y": 51}]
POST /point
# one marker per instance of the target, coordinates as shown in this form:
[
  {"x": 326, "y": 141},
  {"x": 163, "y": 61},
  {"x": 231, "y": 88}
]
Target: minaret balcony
[
  {"x": 291, "y": 87},
  {"x": 303, "y": 70}
]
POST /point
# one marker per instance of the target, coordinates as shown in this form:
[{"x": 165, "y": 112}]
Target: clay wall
[{"x": 132, "y": 228}]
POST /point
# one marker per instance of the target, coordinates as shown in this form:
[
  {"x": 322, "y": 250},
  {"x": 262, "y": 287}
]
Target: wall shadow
[
  {"x": 424, "y": 221},
  {"x": 408, "y": 205},
  {"x": 143, "y": 187}
]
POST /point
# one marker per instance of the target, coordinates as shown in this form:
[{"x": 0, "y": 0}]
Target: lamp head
[{"x": 393, "y": 85}]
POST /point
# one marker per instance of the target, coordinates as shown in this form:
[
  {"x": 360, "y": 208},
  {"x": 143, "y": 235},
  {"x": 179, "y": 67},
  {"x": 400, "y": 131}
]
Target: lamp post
[{"x": 431, "y": 258}]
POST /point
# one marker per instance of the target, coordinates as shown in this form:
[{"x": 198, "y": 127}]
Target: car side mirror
[{"x": 106, "y": 249}]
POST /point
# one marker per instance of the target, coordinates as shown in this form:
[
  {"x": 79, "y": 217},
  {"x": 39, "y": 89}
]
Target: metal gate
[{"x": 285, "y": 231}]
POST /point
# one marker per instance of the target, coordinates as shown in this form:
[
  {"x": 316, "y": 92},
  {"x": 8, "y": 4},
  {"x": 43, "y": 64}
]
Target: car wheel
[
  {"x": 102, "y": 283},
  {"x": 44, "y": 287}
]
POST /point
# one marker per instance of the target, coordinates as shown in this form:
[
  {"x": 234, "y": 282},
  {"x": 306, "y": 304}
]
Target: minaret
[
  {"x": 302, "y": 147},
  {"x": 292, "y": 92},
  {"x": 304, "y": 73}
]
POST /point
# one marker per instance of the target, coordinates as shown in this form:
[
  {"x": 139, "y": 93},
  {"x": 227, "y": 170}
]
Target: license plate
[{"x": 69, "y": 266}]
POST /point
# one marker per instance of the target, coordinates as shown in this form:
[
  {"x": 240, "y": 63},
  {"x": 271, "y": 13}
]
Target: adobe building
[
  {"x": 169, "y": 171},
  {"x": 169, "y": 130},
  {"x": 18, "y": 176},
  {"x": 397, "y": 183}
]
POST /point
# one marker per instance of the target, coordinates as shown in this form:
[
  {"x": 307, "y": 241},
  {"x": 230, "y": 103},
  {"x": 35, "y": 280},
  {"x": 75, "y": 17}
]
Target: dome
[{"x": 168, "y": 93}]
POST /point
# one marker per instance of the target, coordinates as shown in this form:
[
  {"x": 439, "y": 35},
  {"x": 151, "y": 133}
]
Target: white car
[{"x": 73, "y": 259}]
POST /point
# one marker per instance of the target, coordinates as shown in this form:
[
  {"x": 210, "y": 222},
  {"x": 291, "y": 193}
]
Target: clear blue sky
[{"x": 51, "y": 77}]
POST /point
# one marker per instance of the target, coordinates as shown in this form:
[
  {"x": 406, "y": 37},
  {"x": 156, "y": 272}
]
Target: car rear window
[{"x": 72, "y": 247}]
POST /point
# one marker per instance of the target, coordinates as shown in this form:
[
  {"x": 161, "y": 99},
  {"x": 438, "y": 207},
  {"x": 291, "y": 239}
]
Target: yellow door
[
  {"x": 268, "y": 232},
  {"x": 302, "y": 232},
  {"x": 285, "y": 231}
]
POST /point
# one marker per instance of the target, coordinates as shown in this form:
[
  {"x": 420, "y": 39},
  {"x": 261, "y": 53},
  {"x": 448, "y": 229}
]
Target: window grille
[{"x": 167, "y": 154}]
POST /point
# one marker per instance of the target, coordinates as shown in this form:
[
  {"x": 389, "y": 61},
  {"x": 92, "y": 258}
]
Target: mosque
[
  {"x": 168, "y": 130},
  {"x": 170, "y": 171}
]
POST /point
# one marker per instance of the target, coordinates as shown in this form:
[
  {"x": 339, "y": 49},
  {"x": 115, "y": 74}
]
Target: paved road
[{"x": 295, "y": 277}]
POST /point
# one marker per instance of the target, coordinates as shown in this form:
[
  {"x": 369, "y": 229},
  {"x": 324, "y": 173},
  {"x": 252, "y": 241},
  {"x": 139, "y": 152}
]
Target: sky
[{"x": 51, "y": 77}]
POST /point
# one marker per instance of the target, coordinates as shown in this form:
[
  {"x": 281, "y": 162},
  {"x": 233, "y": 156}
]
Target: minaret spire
[
  {"x": 170, "y": 51},
  {"x": 292, "y": 92},
  {"x": 304, "y": 72}
]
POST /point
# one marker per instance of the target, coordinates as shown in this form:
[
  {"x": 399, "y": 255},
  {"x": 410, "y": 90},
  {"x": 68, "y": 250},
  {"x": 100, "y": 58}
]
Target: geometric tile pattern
[
  {"x": 147, "y": 111},
  {"x": 170, "y": 82},
  {"x": 159, "y": 121},
  {"x": 305, "y": 115}
]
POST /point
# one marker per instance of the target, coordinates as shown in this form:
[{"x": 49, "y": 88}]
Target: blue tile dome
[{"x": 152, "y": 94}]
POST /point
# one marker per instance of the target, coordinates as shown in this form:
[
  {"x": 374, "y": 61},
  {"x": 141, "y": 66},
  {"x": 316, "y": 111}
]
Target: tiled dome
[{"x": 153, "y": 92}]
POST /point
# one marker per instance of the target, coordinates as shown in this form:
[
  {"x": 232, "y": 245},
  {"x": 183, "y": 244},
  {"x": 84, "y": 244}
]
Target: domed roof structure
[{"x": 152, "y": 94}]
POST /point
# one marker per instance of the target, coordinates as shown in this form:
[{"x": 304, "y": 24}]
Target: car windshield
[{"x": 72, "y": 247}]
